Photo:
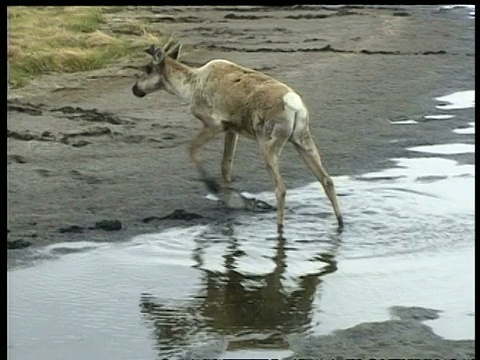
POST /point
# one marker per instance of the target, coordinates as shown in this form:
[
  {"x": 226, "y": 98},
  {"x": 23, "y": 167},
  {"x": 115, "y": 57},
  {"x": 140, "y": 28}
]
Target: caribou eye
[{"x": 147, "y": 68}]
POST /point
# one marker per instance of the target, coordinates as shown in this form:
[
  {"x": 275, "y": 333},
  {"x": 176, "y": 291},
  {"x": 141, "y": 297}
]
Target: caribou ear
[
  {"x": 157, "y": 53},
  {"x": 150, "y": 50},
  {"x": 158, "y": 56},
  {"x": 174, "y": 51},
  {"x": 168, "y": 45}
]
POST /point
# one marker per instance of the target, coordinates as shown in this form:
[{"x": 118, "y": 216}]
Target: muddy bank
[
  {"x": 83, "y": 151},
  {"x": 405, "y": 337}
]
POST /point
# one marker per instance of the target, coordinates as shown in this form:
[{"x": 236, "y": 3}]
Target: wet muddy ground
[
  {"x": 82, "y": 149},
  {"x": 87, "y": 161}
]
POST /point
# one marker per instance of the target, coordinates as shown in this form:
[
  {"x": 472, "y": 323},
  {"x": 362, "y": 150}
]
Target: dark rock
[
  {"x": 439, "y": 52},
  {"x": 80, "y": 143},
  {"x": 25, "y": 108},
  {"x": 401, "y": 13},
  {"x": 47, "y": 134},
  {"x": 180, "y": 214},
  {"x": 71, "y": 229},
  {"x": 150, "y": 219},
  {"x": 19, "y": 159},
  {"x": 383, "y": 340},
  {"x": 25, "y": 136},
  {"x": 108, "y": 225},
  {"x": 18, "y": 244},
  {"x": 414, "y": 313},
  {"x": 308, "y": 16},
  {"x": 234, "y": 16}
]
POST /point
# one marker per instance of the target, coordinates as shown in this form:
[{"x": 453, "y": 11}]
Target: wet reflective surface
[
  {"x": 164, "y": 292},
  {"x": 407, "y": 241},
  {"x": 233, "y": 289}
]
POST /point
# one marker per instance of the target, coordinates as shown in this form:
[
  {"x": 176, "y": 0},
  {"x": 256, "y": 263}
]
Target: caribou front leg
[
  {"x": 230, "y": 197},
  {"x": 203, "y": 136}
]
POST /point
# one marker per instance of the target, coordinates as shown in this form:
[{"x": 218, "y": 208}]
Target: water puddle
[
  {"x": 233, "y": 289},
  {"x": 470, "y": 130},
  {"x": 445, "y": 149},
  {"x": 407, "y": 279},
  {"x": 469, "y": 8},
  {"x": 439, "y": 117},
  {"x": 404, "y": 122},
  {"x": 457, "y": 100}
]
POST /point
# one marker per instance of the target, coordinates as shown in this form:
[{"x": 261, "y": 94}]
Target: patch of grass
[{"x": 66, "y": 39}]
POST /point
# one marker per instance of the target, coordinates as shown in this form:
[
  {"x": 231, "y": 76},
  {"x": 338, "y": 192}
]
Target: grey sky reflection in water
[{"x": 245, "y": 309}]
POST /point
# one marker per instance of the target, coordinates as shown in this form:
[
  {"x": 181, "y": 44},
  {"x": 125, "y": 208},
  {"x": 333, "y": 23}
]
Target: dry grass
[{"x": 66, "y": 39}]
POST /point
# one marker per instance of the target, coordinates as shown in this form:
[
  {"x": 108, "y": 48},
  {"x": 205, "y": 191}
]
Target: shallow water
[
  {"x": 470, "y": 8},
  {"x": 232, "y": 285}
]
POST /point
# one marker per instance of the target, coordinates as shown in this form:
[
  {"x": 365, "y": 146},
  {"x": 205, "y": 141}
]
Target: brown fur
[{"x": 236, "y": 100}]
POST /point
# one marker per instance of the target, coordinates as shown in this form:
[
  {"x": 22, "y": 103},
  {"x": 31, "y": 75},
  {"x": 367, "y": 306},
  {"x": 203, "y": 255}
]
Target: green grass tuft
[{"x": 66, "y": 39}]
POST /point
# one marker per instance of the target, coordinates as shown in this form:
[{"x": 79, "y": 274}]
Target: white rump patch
[{"x": 295, "y": 103}]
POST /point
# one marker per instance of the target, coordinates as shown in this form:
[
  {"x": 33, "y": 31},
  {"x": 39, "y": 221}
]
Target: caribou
[{"x": 235, "y": 100}]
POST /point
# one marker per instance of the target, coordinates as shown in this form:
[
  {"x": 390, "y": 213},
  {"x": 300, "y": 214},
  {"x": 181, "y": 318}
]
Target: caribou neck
[{"x": 181, "y": 79}]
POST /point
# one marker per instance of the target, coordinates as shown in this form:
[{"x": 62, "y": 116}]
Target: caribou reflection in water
[{"x": 247, "y": 310}]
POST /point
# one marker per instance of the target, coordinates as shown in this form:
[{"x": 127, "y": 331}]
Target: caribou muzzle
[{"x": 137, "y": 92}]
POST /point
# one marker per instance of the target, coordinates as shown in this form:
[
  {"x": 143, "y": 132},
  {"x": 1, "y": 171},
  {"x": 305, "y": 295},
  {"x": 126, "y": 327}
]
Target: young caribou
[{"x": 233, "y": 99}]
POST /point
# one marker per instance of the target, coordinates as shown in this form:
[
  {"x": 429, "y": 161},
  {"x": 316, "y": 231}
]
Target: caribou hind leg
[
  {"x": 271, "y": 146},
  {"x": 231, "y": 139},
  {"x": 309, "y": 153}
]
